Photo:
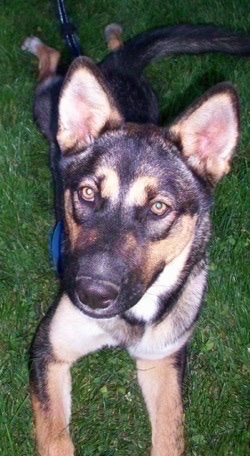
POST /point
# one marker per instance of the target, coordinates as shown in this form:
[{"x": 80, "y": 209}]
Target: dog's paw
[
  {"x": 112, "y": 29},
  {"x": 31, "y": 44},
  {"x": 112, "y": 35}
]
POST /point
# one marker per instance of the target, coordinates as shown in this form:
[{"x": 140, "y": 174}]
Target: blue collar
[{"x": 56, "y": 247}]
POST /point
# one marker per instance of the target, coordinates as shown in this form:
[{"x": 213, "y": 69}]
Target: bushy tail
[{"x": 138, "y": 52}]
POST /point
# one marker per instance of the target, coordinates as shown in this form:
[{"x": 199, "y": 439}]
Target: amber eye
[
  {"x": 159, "y": 208},
  {"x": 87, "y": 193}
]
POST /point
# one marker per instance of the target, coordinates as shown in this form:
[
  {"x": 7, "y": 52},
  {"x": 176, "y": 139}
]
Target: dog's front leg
[
  {"x": 64, "y": 335},
  {"x": 160, "y": 381},
  {"x": 50, "y": 395}
]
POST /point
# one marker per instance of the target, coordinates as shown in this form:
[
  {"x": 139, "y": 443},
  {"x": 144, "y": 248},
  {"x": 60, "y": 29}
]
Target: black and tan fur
[{"x": 135, "y": 201}]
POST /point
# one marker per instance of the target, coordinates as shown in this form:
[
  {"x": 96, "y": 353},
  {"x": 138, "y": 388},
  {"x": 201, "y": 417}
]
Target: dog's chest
[{"x": 148, "y": 342}]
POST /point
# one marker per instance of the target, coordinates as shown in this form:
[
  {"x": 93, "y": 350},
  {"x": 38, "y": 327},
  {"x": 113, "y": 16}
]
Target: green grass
[{"x": 109, "y": 416}]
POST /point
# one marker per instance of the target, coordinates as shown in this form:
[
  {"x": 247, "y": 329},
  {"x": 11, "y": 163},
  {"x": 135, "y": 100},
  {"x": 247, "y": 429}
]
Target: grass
[{"x": 109, "y": 416}]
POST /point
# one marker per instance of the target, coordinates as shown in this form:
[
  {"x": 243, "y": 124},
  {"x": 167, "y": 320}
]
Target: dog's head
[{"x": 136, "y": 198}]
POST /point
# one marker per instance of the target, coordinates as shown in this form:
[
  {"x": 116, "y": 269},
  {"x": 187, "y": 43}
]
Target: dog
[{"x": 134, "y": 199}]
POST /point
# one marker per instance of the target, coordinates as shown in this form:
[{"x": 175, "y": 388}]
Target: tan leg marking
[
  {"x": 113, "y": 36},
  {"x": 48, "y": 57},
  {"x": 162, "y": 393},
  {"x": 72, "y": 335},
  {"x": 52, "y": 419}
]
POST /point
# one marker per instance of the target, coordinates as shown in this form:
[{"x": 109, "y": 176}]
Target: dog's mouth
[{"x": 97, "y": 298}]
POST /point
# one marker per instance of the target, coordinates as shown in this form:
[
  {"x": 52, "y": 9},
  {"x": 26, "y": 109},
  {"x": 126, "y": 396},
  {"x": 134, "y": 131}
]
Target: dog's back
[{"x": 123, "y": 70}]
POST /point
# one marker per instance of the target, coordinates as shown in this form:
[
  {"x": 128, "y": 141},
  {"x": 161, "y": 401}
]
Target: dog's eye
[
  {"x": 87, "y": 193},
  {"x": 159, "y": 208}
]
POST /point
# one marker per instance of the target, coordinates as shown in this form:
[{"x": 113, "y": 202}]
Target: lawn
[{"x": 109, "y": 416}]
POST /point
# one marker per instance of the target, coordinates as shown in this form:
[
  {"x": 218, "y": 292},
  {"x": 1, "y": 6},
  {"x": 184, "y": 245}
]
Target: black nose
[{"x": 97, "y": 294}]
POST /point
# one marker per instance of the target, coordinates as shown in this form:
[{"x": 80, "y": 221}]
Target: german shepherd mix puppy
[{"x": 134, "y": 199}]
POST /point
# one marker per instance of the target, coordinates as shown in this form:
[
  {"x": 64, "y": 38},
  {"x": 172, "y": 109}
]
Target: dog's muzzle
[
  {"x": 102, "y": 286},
  {"x": 96, "y": 294}
]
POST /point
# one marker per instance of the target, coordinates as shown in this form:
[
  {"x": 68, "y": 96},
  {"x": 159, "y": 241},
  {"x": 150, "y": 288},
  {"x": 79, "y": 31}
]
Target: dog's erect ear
[
  {"x": 207, "y": 132},
  {"x": 86, "y": 107}
]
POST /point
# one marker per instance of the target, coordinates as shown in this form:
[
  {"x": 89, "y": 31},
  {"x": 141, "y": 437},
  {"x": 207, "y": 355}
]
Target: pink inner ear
[
  {"x": 208, "y": 132},
  {"x": 213, "y": 137},
  {"x": 79, "y": 118},
  {"x": 212, "y": 130}
]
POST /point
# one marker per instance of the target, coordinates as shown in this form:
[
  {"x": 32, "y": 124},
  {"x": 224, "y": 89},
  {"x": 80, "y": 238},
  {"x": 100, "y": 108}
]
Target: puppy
[{"x": 134, "y": 201}]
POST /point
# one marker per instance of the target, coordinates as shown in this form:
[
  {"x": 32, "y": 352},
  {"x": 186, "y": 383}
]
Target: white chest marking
[
  {"x": 168, "y": 336},
  {"x": 74, "y": 334}
]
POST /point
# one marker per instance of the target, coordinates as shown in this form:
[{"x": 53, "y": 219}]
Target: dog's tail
[{"x": 138, "y": 52}]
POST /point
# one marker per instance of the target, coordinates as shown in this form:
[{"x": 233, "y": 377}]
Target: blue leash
[
  {"x": 68, "y": 29},
  {"x": 56, "y": 239}
]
